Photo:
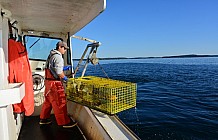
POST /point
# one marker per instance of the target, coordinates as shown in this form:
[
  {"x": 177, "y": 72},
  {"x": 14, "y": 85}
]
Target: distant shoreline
[{"x": 176, "y": 56}]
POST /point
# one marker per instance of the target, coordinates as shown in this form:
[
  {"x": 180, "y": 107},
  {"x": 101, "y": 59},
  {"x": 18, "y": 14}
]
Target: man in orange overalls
[{"x": 54, "y": 91}]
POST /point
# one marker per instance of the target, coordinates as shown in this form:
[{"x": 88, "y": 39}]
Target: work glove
[
  {"x": 67, "y": 68},
  {"x": 65, "y": 79}
]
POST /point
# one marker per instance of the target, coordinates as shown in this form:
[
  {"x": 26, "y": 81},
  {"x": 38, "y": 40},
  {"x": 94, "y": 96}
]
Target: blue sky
[{"x": 146, "y": 28}]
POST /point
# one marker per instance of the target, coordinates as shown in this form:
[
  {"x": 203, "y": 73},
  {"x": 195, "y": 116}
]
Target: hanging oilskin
[{"x": 20, "y": 71}]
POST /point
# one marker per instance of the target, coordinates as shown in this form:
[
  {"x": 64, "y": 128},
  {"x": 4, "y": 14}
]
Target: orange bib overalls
[{"x": 54, "y": 98}]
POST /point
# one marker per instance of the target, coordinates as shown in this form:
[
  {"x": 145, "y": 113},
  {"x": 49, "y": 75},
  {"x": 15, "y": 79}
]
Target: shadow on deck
[{"x": 31, "y": 130}]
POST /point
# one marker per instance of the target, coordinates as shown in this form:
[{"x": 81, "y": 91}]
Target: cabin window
[{"x": 38, "y": 48}]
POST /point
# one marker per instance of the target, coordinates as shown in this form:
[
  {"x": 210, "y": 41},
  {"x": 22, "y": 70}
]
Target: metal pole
[
  {"x": 87, "y": 61},
  {"x": 81, "y": 59}
]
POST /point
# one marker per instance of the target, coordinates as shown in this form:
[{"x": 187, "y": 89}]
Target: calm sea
[{"x": 177, "y": 98}]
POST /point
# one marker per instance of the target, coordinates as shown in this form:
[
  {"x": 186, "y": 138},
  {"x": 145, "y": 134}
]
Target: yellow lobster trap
[{"x": 105, "y": 95}]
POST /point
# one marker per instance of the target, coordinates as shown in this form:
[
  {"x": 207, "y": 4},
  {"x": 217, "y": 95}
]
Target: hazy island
[{"x": 176, "y": 56}]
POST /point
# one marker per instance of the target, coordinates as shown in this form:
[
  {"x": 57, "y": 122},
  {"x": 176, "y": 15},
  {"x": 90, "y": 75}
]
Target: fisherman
[{"x": 54, "y": 91}]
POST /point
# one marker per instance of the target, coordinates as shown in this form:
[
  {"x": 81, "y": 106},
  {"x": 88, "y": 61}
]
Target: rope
[{"x": 103, "y": 70}]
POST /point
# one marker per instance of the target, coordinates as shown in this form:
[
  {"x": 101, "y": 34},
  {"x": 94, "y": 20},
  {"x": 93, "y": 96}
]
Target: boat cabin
[{"x": 38, "y": 25}]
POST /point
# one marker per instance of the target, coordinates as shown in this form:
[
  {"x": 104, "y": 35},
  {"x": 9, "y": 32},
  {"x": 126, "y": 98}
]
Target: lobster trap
[{"x": 102, "y": 94}]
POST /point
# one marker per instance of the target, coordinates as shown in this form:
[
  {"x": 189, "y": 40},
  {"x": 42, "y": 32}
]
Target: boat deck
[{"x": 31, "y": 130}]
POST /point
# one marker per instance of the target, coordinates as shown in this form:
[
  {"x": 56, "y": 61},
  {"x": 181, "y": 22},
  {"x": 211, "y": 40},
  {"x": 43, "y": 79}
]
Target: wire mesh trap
[{"x": 102, "y": 94}]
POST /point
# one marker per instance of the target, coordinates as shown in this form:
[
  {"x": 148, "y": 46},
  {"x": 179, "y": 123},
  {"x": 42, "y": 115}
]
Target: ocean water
[{"x": 177, "y": 98}]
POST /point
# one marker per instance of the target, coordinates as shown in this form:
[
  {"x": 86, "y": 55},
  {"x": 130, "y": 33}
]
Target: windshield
[{"x": 40, "y": 47}]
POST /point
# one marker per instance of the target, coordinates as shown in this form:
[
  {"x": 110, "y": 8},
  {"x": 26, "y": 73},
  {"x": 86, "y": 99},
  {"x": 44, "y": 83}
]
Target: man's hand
[
  {"x": 65, "y": 79},
  {"x": 67, "y": 68}
]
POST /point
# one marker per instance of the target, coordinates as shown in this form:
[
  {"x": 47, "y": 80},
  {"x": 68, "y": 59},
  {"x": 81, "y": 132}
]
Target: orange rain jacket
[{"x": 20, "y": 71}]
